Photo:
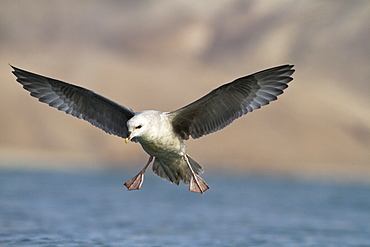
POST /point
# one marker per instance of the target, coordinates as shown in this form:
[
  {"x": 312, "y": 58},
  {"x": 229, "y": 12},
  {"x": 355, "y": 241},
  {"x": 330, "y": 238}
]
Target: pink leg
[
  {"x": 136, "y": 182},
  {"x": 197, "y": 184}
]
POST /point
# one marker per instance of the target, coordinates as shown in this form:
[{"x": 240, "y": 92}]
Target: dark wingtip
[{"x": 14, "y": 68}]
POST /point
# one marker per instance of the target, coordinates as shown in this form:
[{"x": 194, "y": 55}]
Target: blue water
[{"x": 93, "y": 208}]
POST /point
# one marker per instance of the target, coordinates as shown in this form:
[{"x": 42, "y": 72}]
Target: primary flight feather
[{"x": 162, "y": 134}]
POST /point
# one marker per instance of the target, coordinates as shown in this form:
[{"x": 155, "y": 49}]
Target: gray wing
[
  {"x": 77, "y": 101},
  {"x": 223, "y": 105}
]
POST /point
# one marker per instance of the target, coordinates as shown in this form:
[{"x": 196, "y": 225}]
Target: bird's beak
[{"x": 128, "y": 138}]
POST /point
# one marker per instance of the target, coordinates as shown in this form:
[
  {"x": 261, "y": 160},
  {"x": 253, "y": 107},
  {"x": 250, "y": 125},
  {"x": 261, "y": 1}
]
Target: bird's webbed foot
[
  {"x": 136, "y": 182},
  {"x": 197, "y": 184}
]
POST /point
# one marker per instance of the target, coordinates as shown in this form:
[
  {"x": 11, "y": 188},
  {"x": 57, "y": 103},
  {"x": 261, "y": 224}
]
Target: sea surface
[{"x": 93, "y": 208}]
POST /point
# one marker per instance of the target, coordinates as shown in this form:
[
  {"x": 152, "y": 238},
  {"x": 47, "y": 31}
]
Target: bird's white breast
[{"x": 159, "y": 139}]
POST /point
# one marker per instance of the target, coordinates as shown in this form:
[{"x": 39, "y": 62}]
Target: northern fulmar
[{"x": 162, "y": 134}]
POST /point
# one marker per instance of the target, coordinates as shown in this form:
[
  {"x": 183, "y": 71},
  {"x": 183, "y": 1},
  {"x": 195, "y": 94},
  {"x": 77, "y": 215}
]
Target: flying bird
[{"x": 162, "y": 134}]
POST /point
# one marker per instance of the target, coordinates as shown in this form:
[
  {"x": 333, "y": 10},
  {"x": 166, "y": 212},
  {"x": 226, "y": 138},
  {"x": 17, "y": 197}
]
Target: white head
[{"x": 140, "y": 124}]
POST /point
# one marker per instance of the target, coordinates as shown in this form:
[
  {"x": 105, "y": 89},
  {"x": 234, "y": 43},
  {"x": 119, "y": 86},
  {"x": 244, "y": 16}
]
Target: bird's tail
[{"x": 176, "y": 170}]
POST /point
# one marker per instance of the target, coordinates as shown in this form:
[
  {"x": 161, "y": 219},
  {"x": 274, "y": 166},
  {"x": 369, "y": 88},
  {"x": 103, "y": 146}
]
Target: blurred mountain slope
[{"x": 163, "y": 55}]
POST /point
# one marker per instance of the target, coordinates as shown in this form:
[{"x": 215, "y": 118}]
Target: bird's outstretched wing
[
  {"x": 77, "y": 101},
  {"x": 226, "y": 103}
]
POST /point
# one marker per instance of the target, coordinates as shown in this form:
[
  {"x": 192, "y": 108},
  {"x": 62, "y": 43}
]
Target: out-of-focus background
[{"x": 164, "y": 54}]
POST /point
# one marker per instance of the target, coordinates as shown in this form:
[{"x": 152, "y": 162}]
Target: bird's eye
[{"x": 138, "y": 127}]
